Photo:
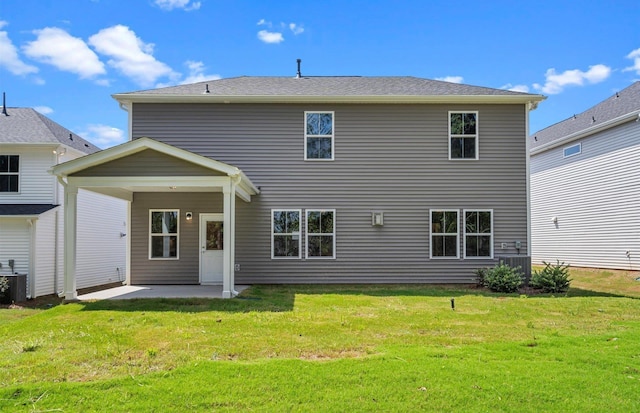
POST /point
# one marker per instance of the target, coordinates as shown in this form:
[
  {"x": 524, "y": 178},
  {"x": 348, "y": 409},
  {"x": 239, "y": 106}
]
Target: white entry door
[{"x": 211, "y": 248}]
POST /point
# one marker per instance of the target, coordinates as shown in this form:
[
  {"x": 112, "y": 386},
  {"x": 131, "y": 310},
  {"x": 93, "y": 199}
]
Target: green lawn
[{"x": 331, "y": 348}]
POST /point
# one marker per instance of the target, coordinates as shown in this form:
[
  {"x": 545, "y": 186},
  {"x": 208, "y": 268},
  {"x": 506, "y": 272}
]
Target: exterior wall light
[
  {"x": 189, "y": 216},
  {"x": 377, "y": 219}
]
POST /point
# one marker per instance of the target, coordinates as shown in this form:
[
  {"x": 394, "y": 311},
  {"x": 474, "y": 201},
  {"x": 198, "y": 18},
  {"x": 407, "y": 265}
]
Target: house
[
  {"x": 31, "y": 218},
  {"x": 316, "y": 180},
  {"x": 584, "y": 186}
]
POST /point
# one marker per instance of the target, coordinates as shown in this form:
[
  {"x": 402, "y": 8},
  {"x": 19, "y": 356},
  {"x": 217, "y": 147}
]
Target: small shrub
[
  {"x": 480, "y": 276},
  {"x": 553, "y": 278},
  {"x": 503, "y": 278}
]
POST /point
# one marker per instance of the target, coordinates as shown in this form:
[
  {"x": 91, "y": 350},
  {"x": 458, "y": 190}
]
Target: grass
[{"x": 332, "y": 348}]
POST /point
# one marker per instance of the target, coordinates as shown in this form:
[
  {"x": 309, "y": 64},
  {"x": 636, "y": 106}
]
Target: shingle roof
[
  {"x": 327, "y": 86},
  {"x": 26, "y": 125},
  {"x": 24, "y": 209},
  {"x": 620, "y": 104}
]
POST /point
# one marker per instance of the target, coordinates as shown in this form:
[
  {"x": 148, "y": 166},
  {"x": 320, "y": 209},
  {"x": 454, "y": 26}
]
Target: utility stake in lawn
[{"x": 453, "y": 304}]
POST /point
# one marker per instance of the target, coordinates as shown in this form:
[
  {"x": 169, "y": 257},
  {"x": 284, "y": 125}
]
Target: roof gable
[{"x": 27, "y": 126}]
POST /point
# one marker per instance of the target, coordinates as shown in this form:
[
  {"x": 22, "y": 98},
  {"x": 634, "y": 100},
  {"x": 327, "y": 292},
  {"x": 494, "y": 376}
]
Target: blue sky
[{"x": 67, "y": 57}]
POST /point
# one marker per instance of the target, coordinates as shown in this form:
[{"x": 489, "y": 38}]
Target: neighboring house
[
  {"x": 316, "y": 180},
  {"x": 585, "y": 191},
  {"x": 31, "y": 220}
]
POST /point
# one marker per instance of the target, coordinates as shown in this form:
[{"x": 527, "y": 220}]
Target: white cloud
[
  {"x": 556, "y": 82},
  {"x": 196, "y": 74},
  {"x": 296, "y": 29},
  {"x": 186, "y": 5},
  {"x": 10, "y": 59},
  {"x": 270, "y": 37},
  {"x": 58, "y": 48},
  {"x": 130, "y": 55},
  {"x": 45, "y": 110},
  {"x": 451, "y": 79},
  {"x": 263, "y": 22},
  {"x": 103, "y": 136},
  {"x": 635, "y": 56},
  {"x": 516, "y": 88}
]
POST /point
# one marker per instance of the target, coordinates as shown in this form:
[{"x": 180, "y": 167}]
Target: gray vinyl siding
[
  {"x": 390, "y": 158},
  {"x": 595, "y": 198},
  {"x": 184, "y": 270},
  {"x": 147, "y": 163}
]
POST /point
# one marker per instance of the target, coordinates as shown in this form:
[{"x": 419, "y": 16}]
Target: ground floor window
[
  {"x": 444, "y": 234},
  {"x": 321, "y": 235},
  {"x": 478, "y": 234},
  {"x": 285, "y": 233},
  {"x": 163, "y": 234}
]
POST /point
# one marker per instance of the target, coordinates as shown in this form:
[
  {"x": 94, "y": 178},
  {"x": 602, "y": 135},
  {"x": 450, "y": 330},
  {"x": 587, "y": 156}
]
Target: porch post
[
  {"x": 70, "y": 219},
  {"x": 227, "y": 262},
  {"x": 232, "y": 243}
]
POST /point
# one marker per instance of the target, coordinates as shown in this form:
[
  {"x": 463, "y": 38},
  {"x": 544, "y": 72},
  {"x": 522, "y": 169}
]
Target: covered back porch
[{"x": 181, "y": 207}]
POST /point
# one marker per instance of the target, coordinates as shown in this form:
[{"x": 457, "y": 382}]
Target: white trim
[
  {"x": 464, "y": 234},
  {"x": 529, "y": 99},
  {"x": 299, "y": 233},
  {"x": 332, "y": 136},
  {"x": 306, "y": 232},
  {"x": 476, "y": 135},
  {"x": 176, "y": 234},
  {"x": 431, "y": 234},
  {"x": 9, "y": 173},
  {"x": 566, "y": 148}
]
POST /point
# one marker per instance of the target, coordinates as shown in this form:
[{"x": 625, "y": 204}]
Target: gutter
[
  {"x": 589, "y": 131},
  {"x": 530, "y": 100}
]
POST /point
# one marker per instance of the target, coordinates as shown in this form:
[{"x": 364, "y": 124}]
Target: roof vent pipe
[
  {"x": 299, "y": 74},
  {"x": 4, "y": 104}
]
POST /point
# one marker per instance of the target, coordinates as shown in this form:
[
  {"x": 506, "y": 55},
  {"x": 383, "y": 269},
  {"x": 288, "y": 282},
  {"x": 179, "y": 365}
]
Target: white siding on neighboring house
[
  {"x": 586, "y": 208},
  {"x": 42, "y": 277},
  {"x": 14, "y": 245},
  {"x": 100, "y": 248},
  {"x": 36, "y": 186}
]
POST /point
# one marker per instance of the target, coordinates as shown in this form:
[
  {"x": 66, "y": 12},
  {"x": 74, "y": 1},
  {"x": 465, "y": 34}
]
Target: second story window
[
  {"x": 9, "y": 173},
  {"x": 318, "y": 136},
  {"x": 463, "y": 135}
]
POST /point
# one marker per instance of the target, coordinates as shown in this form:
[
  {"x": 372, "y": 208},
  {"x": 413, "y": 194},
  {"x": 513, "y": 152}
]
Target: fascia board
[{"x": 393, "y": 99}]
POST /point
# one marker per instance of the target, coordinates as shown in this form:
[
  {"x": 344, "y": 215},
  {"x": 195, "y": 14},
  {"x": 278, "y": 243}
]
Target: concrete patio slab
[{"x": 127, "y": 292}]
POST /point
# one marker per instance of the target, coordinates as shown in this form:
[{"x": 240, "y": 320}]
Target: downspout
[
  {"x": 127, "y": 108},
  {"x": 32, "y": 257},
  {"x": 56, "y": 274},
  {"x": 528, "y": 108}
]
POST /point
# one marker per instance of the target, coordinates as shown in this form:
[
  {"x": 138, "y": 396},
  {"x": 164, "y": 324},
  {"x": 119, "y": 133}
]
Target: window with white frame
[
  {"x": 9, "y": 173},
  {"x": 318, "y": 136},
  {"x": 463, "y": 135},
  {"x": 478, "y": 234},
  {"x": 321, "y": 233},
  {"x": 572, "y": 150},
  {"x": 285, "y": 233},
  {"x": 444, "y": 234},
  {"x": 163, "y": 234}
]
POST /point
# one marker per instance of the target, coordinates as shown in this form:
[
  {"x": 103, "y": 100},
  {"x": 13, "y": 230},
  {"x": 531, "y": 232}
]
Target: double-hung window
[
  {"x": 9, "y": 173},
  {"x": 318, "y": 136},
  {"x": 285, "y": 233},
  {"x": 321, "y": 233},
  {"x": 478, "y": 234},
  {"x": 463, "y": 135},
  {"x": 444, "y": 234},
  {"x": 163, "y": 234}
]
